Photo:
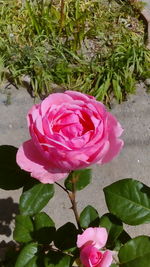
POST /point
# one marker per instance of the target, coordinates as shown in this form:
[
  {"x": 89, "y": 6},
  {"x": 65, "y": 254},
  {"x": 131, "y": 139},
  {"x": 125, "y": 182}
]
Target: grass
[{"x": 96, "y": 47}]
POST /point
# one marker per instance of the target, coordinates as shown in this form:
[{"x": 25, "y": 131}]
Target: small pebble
[{"x": 147, "y": 81}]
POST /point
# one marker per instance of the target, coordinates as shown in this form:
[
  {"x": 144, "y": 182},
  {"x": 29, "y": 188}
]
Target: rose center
[
  {"x": 72, "y": 124},
  {"x": 95, "y": 257}
]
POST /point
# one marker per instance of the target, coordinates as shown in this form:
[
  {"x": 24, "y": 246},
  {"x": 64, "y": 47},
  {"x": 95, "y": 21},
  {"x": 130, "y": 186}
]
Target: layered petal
[
  {"x": 96, "y": 236},
  {"x": 69, "y": 131},
  {"x": 116, "y": 144},
  {"x": 79, "y": 96},
  {"x": 29, "y": 159},
  {"x": 106, "y": 259},
  {"x": 90, "y": 256},
  {"x": 54, "y": 99}
]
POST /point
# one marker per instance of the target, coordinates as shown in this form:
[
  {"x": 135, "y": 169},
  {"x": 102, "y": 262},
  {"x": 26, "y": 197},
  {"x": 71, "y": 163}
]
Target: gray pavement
[
  {"x": 147, "y": 3},
  {"x": 133, "y": 162}
]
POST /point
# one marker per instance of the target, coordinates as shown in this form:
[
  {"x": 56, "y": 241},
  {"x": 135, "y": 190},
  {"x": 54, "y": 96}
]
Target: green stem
[{"x": 72, "y": 197}]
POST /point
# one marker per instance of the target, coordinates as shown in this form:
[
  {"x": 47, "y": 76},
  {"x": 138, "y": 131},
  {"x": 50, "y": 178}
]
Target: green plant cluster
[
  {"x": 41, "y": 244},
  {"x": 96, "y": 47}
]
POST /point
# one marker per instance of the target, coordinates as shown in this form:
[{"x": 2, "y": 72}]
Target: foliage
[
  {"x": 41, "y": 244},
  {"x": 96, "y": 47}
]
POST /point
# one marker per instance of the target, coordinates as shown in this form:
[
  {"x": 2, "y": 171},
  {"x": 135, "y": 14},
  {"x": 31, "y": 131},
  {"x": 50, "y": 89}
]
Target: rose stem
[{"x": 72, "y": 198}]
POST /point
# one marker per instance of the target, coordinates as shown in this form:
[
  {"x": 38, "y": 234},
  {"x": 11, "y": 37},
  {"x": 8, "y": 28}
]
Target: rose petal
[
  {"x": 90, "y": 256},
  {"x": 33, "y": 114},
  {"x": 54, "y": 99},
  {"x": 31, "y": 160},
  {"x": 107, "y": 259},
  {"x": 95, "y": 236},
  {"x": 79, "y": 96},
  {"x": 114, "y": 150},
  {"x": 113, "y": 125},
  {"x": 116, "y": 144}
]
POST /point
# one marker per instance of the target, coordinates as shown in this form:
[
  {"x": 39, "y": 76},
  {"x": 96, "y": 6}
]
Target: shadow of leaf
[{"x": 8, "y": 211}]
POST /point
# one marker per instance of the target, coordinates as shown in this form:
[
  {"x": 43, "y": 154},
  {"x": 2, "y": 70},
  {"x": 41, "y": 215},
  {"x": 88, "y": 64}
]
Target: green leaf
[
  {"x": 89, "y": 217},
  {"x": 135, "y": 253},
  {"x": 35, "y": 198},
  {"x": 44, "y": 228},
  {"x": 66, "y": 236},
  {"x": 129, "y": 200},
  {"x": 117, "y": 89},
  {"x": 23, "y": 229},
  {"x": 11, "y": 176},
  {"x": 57, "y": 259},
  {"x": 114, "y": 265},
  {"x": 124, "y": 237},
  {"x": 37, "y": 260},
  {"x": 33, "y": 262},
  {"x": 102, "y": 90},
  {"x": 26, "y": 255},
  {"x": 121, "y": 240},
  {"x": 114, "y": 228},
  {"x": 79, "y": 179}
]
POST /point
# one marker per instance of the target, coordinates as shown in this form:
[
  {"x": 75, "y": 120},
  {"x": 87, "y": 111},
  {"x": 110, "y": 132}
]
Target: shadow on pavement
[{"x": 8, "y": 211}]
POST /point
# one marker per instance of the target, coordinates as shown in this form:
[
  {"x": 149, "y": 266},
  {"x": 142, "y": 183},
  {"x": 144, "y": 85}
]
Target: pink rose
[
  {"x": 68, "y": 131},
  {"x": 89, "y": 243},
  {"x": 96, "y": 237},
  {"x": 92, "y": 257}
]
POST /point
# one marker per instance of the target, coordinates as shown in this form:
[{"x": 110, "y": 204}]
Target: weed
[{"x": 96, "y": 47}]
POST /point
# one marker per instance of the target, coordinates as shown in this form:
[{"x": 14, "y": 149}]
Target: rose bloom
[
  {"x": 90, "y": 243},
  {"x": 69, "y": 131}
]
